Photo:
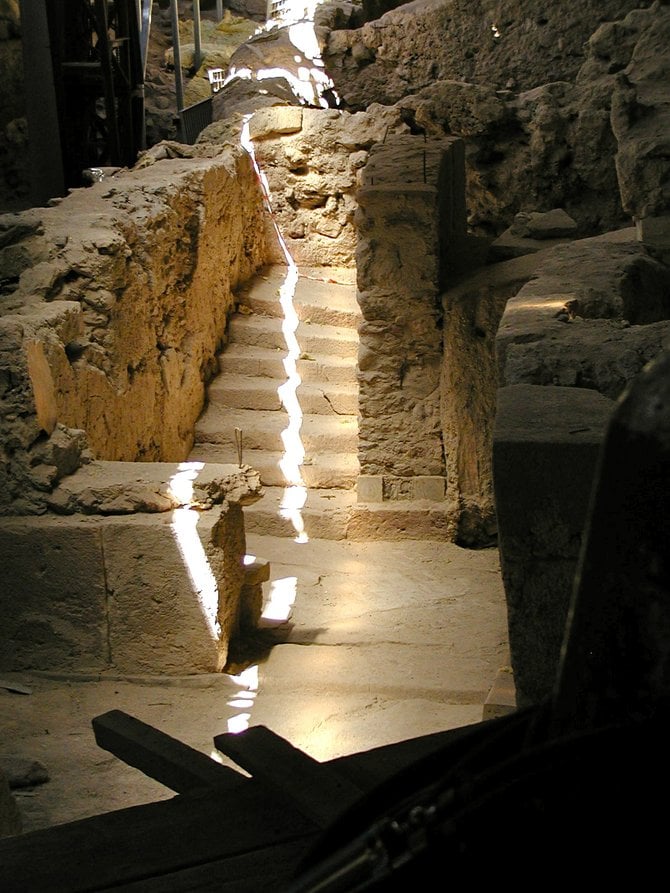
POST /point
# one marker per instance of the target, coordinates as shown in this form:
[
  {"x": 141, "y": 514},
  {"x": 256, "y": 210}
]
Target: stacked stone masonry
[{"x": 411, "y": 223}]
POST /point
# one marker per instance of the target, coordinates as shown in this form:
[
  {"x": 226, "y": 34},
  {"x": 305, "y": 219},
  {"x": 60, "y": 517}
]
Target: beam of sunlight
[
  {"x": 294, "y": 453},
  {"x": 280, "y": 601},
  {"x": 184, "y": 528},
  {"x": 247, "y": 680}
]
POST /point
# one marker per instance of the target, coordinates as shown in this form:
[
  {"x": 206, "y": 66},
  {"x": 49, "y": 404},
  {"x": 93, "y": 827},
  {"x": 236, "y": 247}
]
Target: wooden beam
[
  {"x": 317, "y": 790},
  {"x": 167, "y": 760}
]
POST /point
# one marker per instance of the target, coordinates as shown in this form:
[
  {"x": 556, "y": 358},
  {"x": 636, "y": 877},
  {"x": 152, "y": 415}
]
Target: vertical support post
[
  {"x": 145, "y": 30},
  {"x": 219, "y": 9},
  {"x": 47, "y": 179},
  {"x": 178, "y": 77},
  {"x": 197, "y": 34}
]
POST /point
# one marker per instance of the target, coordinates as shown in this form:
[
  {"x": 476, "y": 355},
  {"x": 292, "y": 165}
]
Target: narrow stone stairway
[{"x": 302, "y": 440}]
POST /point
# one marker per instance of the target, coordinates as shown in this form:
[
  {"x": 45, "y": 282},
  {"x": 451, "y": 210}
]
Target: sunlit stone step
[
  {"x": 327, "y": 368},
  {"x": 252, "y": 392},
  {"x": 241, "y": 392},
  {"x": 262, "y": 429},
  {"x": 322, "y": 470},
  {"x": 268, "y": 362},
  {"x": 313, "y": 338},
  {"x": 336, "y": 515},
  {"x": 325, "y": 296},
  {"x": 243, "y": 359},
  {"x": 325, "y": 514}
]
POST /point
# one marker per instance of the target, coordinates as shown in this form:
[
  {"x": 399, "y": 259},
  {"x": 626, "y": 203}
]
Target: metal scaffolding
[{"x": 93, "y": 54}]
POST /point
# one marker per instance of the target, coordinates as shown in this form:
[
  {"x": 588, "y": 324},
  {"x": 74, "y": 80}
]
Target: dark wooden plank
[
  {"x": 173, "y": 844},
  {"x": 369, "y": 768},
  {"x": 316, "y": 789},
  {"x": 268, "y": 869},
  {"x": 131, "y": 845},
  {"x": 159, "y": 756}
]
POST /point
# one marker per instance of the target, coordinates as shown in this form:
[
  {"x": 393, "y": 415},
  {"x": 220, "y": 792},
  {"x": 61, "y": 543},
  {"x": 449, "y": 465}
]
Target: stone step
[
  {"x": 325, "y": 368},
  {"x": 268, "y": 362},
  {"x": 336, "y": 514},
  {"x": 397, "y": 520},
  {"x": 327, "y": 297},
  {"x": 322, "y": 471},
  {"x": 242, "y": 359},
  {"x": 325, "y": 514},
  {"x": 252, "y": 392},
  {"x": 313, "y": 339},
  {"x": 262, "y": 429}
]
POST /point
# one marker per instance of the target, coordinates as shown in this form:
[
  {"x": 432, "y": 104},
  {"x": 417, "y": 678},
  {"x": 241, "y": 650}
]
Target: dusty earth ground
[{"x": 385, "y": 641}]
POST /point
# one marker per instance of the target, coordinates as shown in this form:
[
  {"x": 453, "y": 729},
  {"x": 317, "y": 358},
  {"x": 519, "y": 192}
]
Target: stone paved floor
[{"x": 385, "y": 641}]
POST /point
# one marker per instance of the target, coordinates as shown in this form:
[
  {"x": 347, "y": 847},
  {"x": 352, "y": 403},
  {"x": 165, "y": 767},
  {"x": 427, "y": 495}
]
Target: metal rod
[
  {"x": 197, "y": 34},
  {"x": 238, "y": 444},
  {"x": 145, "y": 30},
  {"x": 178, "y": 77},
  {"x": 219, "y": 9}
]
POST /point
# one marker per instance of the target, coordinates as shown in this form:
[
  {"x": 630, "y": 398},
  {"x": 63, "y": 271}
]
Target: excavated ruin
[{"x": 478, "y": 194}]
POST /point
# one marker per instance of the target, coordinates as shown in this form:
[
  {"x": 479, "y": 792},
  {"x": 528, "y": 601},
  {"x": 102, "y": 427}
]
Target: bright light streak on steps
[
  {"x": 281, "y": 599},
  {"x": 184, "y": 527},
  {"x": 248, "y": 682},
  {"x": 295, "y": 493}
]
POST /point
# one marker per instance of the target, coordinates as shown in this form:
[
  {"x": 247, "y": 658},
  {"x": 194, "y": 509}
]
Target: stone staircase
[
  {"x": 245, "y": 396},
  {"x": 245, "y": 400}
]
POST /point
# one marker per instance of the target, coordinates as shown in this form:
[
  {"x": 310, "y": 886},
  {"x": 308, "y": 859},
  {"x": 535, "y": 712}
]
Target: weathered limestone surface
[
  {"x": 410, "y": 223},
  {"x": 143, "y": 574},
  {"x": 569, "y": 342},
  {"x": 514, "y": 44},
  {"x": 313, "y": 160},
  {"x": 544, "y": 108},
  {"x": 594, "y": 316},
  {"x": 115, "y": 304},
  {"x": 468, "y": 384}
]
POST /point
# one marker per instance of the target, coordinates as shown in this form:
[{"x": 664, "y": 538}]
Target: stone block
[
  {"x": 501, "y": 699},
  {"x": 370, "y": 488},
  {"x": 546, "y": 446},
  {"x": 277, "y": 119},
  {"x": 654, "y": 233},
  {"x": 52, "y": 590},
  {"x": 251, "y": 598},
  {"x": 428, "y": 486},
  {"x": 165, "y": 594}
]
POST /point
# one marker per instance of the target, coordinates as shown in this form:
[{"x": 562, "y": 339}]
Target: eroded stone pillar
[{"x": 410, "y": 223}]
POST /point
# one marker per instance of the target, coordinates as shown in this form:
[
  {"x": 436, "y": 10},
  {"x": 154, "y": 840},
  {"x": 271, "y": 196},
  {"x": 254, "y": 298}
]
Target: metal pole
[
  {"x": 197, "y": 36},
  {"x": 178, "y": 79},
  {"x": 47, "y": 179},
  {"x": 219, "y": 10},
  {"x": 145, "y": 29}
]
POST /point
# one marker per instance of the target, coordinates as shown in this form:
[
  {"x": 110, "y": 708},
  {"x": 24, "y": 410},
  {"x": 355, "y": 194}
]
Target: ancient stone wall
[
  {"x": 411, "y": 224},
  {"x": 593, "y": 314},
  {"x": 510, "y": 44},
  {"x": 543, "y": 107},
  {"x": 115, "y": 303},
  {"x": 313, "y": 159}
]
